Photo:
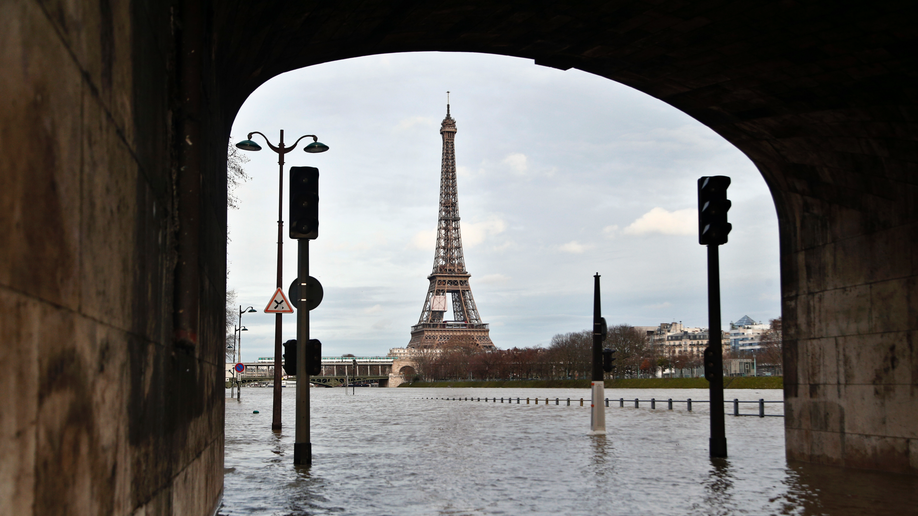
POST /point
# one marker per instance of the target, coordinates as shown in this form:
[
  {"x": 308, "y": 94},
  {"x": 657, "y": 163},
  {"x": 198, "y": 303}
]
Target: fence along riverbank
[{"x": 637, "y": 403}]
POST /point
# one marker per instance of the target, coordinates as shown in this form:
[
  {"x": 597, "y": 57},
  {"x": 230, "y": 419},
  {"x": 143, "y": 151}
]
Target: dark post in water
[
  {"x": 302, "y": 448},
  {"x": 713, "y": 229},
  {"x": 597, "y": 385}
]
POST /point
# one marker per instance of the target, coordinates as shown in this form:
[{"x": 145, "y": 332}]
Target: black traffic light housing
[
  {"x": 304, "y": 202},
  {"x": 290, "y": 357},
  {"x": 713, "y": 206},
  {"x": 709, "y": 368},
  {"x": 313, "y": 357},
  {"x": 607, "y": 360}
]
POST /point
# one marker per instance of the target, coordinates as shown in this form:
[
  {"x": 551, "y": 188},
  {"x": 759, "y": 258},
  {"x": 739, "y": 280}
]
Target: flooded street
[{"x": 403, "y": 452}]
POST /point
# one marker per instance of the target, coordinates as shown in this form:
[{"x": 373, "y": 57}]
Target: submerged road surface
[{"x": 398, "y": 452}]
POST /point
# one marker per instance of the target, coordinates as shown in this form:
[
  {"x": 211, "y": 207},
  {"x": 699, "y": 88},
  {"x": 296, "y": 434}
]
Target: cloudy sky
[{"x": 561, "y": 174}]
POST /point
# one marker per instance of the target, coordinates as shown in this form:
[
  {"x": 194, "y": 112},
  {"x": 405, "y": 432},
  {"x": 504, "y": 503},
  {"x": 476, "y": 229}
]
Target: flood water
[{"x": 403, "y": 452}]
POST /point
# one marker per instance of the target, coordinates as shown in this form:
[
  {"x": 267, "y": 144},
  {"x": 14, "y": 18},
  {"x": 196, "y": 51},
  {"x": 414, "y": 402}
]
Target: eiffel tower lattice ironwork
[{"x": 449, "y": 275}]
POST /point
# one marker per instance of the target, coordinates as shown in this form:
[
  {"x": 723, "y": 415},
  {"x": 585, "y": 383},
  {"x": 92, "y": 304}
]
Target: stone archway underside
[
  {"x": 113, "y": 215},
  {"x": 822, "y": 98}
]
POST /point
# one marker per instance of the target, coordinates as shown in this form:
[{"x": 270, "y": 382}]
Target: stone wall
[{"x": 107, "y": 411}]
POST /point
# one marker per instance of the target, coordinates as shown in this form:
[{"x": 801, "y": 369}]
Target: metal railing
[{"x": 637, "y": 403}]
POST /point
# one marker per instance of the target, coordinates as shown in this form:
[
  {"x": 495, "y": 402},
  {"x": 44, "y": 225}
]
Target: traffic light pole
[
  {"x": 714, "y": 359},
  {"x": 302, "y": 448}
]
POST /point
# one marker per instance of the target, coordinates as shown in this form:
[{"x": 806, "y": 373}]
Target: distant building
[{"x": 746, "y": 335}]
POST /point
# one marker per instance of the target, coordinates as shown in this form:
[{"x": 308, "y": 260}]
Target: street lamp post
[{"x": 313, "y": 148}]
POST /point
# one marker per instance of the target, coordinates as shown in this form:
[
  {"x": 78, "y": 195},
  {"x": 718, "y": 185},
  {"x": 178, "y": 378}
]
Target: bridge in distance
[{"x": 335, "y": 371}]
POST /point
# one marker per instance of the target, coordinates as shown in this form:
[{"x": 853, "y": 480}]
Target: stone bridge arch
[
  {"x": 822, "y": 100},
  {"x": 403, "y": 370},
  {"x": 112, "y": 206}
]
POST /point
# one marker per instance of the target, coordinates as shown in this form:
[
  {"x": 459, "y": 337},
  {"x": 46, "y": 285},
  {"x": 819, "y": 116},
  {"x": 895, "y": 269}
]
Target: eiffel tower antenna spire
[{"x": 449, "y": 276}]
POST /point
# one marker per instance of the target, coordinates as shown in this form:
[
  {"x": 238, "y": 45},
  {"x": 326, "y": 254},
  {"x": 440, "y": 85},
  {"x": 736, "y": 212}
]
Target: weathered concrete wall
[{"x": 106, "y": 412}]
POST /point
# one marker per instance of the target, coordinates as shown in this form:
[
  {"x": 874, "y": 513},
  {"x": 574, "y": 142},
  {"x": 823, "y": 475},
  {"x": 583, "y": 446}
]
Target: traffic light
[
  {"x": 713, "y": 206},
  {"x": 290, "y": 357},
  {"x": 314, "y": 357},
  {"x": 709, "y": 372},
  {"x": 607, "y": 360},
  {"x": 304, "y": 202}
]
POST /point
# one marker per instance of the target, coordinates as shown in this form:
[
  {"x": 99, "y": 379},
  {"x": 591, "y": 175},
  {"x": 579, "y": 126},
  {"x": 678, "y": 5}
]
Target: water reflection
[
  {"x": 398, "y": 452},
  {"x": 719, "y": 487}
]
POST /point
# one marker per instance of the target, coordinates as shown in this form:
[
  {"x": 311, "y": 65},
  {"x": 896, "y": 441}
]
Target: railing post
[
  {"x": 621, "y": 402},
  {"x": 557, "y": 401},
  {"x": 735, "y": 407},
  {"x": 607, "y": 402},
  {"x": 689, "y": 404},
  {"x": 669, "y": 404},
  {"x": 581, "y": 402},
  {"x": 653, "y": 403},
  {"x": 761, "y": 408},
  {"x": 568, "y": 402},
  {"x": 636, "y": 403}
]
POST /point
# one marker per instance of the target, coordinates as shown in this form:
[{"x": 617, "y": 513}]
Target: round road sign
[
  {"x": 314, "y": 293},
  {"x": 240, "y": 367}
]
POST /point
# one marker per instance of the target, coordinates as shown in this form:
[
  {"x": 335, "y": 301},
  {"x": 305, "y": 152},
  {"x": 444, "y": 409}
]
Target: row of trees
[{"x": 569, "y": 356}]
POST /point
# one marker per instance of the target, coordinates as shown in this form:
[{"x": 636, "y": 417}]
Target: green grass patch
[{"x": 748, "y": 382}]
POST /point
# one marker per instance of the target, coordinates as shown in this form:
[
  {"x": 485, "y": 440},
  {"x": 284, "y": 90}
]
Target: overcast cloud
[{"x": 560, "y": 175}]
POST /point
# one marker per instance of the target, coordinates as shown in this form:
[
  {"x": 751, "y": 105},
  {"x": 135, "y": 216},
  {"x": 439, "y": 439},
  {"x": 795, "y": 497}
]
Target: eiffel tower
[{"x": 449, "y": 275}]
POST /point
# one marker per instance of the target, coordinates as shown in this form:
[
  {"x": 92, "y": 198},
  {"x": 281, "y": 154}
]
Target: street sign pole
[{"x": 302, "y": 448}]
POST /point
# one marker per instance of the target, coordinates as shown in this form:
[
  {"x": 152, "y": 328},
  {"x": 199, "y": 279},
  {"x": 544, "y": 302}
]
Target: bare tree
[
  {"x": 235, "y": 174},
  {"x": 771, "y": 352},
  {"x": 572, "y": 353},
  {"x": 631, "y": 348}
]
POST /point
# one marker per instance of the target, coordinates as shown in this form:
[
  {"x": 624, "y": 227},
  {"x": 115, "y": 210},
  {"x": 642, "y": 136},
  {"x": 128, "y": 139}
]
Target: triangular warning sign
[{"x": 279, "y": 304}]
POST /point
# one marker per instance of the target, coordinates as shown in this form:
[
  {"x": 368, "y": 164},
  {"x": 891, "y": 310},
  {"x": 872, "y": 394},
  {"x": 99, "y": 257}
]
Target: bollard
[
  {"x": 653, "y": 403},
  {"x": 669, "y": 404},
  {"x": 607, "y": 402},
  {"x": 636, "y": 403},
  {"x": 568, "y": 402},
  {"x": 546, "y": 401},
  {"x": 581, "y": 402},
  {"x": 527, "y": 401},
  {"x": 735, "y": 407},
  {"x": 556, "y": 401},
  {"x": 621, "y": 402},
  {"x": 517, "y": 401},
  {"x": 501, "y": 399},
  {"x": 537, "y": 401},
  {"x": 689, "y": 404},
  {"x": 761, "y": 408}
]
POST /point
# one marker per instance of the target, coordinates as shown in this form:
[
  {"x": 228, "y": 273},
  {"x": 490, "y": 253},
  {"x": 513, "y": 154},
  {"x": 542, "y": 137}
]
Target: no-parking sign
[{"x": 240, "y": 367}]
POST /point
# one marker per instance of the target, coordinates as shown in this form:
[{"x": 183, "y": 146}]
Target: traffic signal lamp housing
[
  {"x": 709, "y": 368},
  {"x": 313, "y": 357},
  {"x": 290, "y": 357},
  {"x": 304, "y": 202},
  {"x": 713, "y": 206},
  {"x": 607, "y": 360}
]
